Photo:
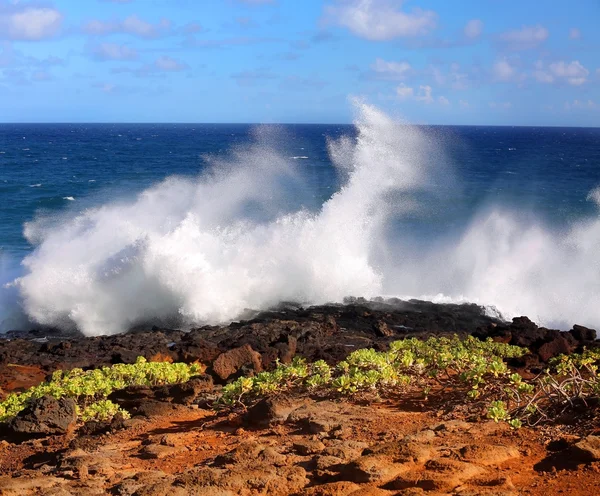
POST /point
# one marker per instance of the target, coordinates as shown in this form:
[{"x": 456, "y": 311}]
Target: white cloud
[
  {"x": 105, "y": 87},
  {"x": 455, "y": 76},
  {"x": 391, "y": 70},
  {"x": 168, "y": 64},
  {"x": 500, "y": 105},
  {"x": 574, "y": 33},
  {"x": 424, "y": 94},
  {"x": 256, "y": 2},
  {"x": 464, "y": 103},
  {"x": 405, "y": 92},
  {"x": 29, "y": 23},
  {"x": 573, "y": 73},
  {"x": 113, "y": 51},
  {"x": 502, "y": 70},
  {"x": 131, "y": 25},
  {"x": 581, "y": 105},
  {"x": 474, "y": 28},
  {"x": 41, "y": 76},
  {"x": 525, "y": 38},
  {"x": 380, "y": 20}
]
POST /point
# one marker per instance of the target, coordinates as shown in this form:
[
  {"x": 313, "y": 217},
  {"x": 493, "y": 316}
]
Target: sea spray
[
  {"x": 186, "y": 249},
  {"x": 242, "y": 236}
]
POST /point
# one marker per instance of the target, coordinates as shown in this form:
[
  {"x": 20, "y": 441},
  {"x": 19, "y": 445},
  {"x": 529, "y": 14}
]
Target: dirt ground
[{"x": 176, "y": 444}]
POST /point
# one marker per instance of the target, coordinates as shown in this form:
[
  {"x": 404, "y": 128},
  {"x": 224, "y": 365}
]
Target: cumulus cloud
[
  {"x": 525, "y": 38},
  {"x": 473, "y": 28},
  {"x": 464, "y": 103},
  {"x": 455, "y": 76},
  {"x": 169, "y": 64},
  {"x": 502, "y": 70},
  {"x": 573, "y": 73},
  {"x": 113, "y": 51},
  {"x": 500, "y": 105},
  {"x": 384, "y": 69},
  {"x": 405, "y": 92},
  {"x": 29, "y": 23},
  {"x": 130, "y": 25},
  {"x": 379, "y": 20},
  {"x": 424, "y": 94},
  {"x": 106, "y": 87},
  {"x": 161, "y": 65},
  {"x": 574, "y": 33},
  {"x": 582, "y": 105}
]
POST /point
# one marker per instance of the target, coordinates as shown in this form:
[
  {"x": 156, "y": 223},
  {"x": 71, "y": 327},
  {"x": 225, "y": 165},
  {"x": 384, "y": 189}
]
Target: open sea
[{"x": 103, "y": 226}]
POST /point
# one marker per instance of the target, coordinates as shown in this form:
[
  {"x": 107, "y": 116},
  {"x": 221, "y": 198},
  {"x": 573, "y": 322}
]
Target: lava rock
[
  {"x": 45, "y": 416},
  {"x": 581, "y": 333},
  {"x": 588, "y": 449},
  {"x": 230, "y": 362}
]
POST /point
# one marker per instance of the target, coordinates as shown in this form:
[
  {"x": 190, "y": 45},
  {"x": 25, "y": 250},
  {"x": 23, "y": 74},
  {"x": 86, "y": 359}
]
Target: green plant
[
  {"x": 102, "y": 410},
  {"x": 93, "y": 386}
]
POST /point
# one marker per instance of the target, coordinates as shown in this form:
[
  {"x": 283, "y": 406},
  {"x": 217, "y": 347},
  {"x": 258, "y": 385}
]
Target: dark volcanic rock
[
  {"x": 230, "y": 362},
  {"x": 269, "y": 411},
  {"x": 43, "y": 416},
  {"x": 328, "y": 332},
  {"x": 559, "y": 345},
  {"x": 581, "y": 333},
  {"x": 187, "y": 392}
]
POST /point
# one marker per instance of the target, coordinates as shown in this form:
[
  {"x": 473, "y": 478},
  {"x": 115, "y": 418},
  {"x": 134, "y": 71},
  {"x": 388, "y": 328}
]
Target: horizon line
[{"x": 287, "y": 124}]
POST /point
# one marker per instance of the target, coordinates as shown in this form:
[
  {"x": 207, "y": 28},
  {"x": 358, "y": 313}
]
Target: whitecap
[{"x": 70, "y": 198}]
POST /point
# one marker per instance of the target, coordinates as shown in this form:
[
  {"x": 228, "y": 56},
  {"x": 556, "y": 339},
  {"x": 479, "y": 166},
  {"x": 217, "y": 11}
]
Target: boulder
[
  {"x": 581, "y": 333},
  {"x": 556, "y": 347},
  {"x": 187, "y": 392},
  {"x": 270, "y": 411},
  {"x": 45, "y": 416},
  {"x": 230, "y": 362}
]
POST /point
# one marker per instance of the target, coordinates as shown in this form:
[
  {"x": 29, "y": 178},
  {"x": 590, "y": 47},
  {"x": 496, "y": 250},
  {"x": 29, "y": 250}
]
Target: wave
[{"x": 238, "y": 237}]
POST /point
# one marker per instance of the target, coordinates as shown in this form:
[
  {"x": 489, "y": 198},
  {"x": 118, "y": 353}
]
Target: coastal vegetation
[
  {"x": 91, "y": 388},
  {"x": 475, "y": 371}
]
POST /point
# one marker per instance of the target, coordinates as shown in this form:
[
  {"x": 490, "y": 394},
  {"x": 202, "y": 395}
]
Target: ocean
[{"x": 106, "y": 226}]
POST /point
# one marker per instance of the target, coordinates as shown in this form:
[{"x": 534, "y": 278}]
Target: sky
[{"x": 488, "y": 62}]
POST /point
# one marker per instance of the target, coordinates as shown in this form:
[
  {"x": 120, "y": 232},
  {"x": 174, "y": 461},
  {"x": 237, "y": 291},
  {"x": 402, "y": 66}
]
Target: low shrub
[{"x": 90, "y": 388}]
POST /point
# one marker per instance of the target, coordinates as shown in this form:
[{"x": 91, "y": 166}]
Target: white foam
[
  {"x": 188, "y": 248},
  {"x": 69, "y": 198}
]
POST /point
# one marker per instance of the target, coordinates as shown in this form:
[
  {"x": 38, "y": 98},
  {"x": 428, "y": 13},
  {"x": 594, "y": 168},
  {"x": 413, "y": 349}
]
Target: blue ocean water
[
  {"x": 549, "y": 170},
  {"x": 62, "y": 171}
]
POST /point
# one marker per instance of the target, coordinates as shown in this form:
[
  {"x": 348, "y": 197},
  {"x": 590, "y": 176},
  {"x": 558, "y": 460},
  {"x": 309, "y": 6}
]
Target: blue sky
[{"x": 513, "y": 62}]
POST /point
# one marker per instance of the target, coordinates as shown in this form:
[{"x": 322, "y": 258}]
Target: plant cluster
[
  {"x": 90, "y": 388},
  {"x": 475, "y": 368},
  {"x": 407, "y": 362}
]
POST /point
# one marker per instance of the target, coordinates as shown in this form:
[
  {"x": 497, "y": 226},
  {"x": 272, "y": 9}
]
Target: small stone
[
  {"x": 588, "y": 449},
  {"x": 489, "y": 454},
  {"x": 306, "y": 447},
  {"x": 327, "y": 462},
  {"x": 372, "y": 469},
  {"x": 158, "y": 451}
]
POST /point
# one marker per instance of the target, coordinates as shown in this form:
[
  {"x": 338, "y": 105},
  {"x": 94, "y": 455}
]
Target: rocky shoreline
[{"x": 175, "y": 443}]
